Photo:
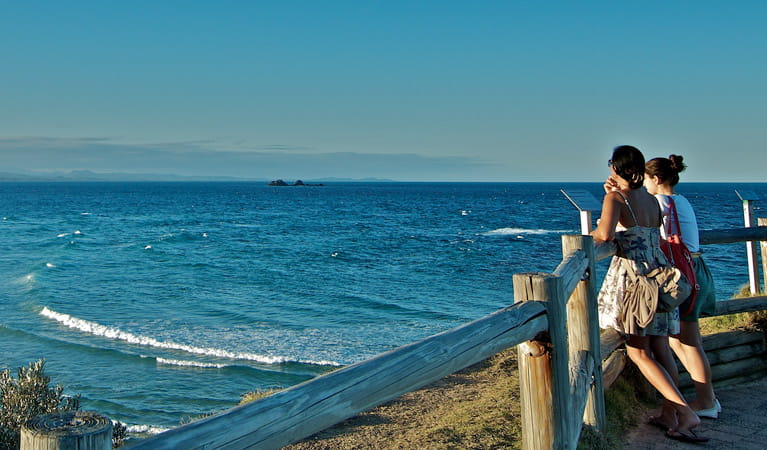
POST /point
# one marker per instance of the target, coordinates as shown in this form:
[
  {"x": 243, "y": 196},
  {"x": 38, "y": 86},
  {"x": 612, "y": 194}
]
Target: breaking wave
[
  {"x": 117, "y": 334},
  {"x": 523, "y": 231}
]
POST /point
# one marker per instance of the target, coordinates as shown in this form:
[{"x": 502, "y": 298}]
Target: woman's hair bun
[{"x": 677, "y": 162}]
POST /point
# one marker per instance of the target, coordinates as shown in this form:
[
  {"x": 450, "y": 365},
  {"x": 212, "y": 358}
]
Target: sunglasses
[{"x": 610, "y": 163}]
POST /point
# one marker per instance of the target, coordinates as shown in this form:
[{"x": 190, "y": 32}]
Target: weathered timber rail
[
  {"x": 302, "y": 410},
  {"x": 735, "y": 357},
  {"x": 564, "y": 364}
]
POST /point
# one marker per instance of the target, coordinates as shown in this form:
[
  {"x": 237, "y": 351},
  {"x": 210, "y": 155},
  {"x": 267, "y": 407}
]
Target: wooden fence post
[
  {"x": 583, "y": 328},
  {"x": 762, "y": 222},
  {"x": 748, "y": 217},
  {"x": 544, "y": 381},
  {"x": 82, "y": 430}
]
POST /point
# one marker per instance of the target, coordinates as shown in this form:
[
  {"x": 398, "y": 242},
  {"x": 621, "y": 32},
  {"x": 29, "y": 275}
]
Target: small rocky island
[{"x": 297, "y": 183}]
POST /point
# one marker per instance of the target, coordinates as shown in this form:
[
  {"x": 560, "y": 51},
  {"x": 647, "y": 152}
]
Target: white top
[{"x": 687, "y": 221}]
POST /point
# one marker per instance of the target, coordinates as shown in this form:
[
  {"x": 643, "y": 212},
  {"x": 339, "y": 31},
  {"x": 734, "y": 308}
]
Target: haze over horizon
[{"x": 408, "y": 91}]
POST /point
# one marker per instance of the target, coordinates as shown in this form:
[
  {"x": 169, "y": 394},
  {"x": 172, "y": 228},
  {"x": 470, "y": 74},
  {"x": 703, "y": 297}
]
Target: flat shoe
[
  {"x": 710, "y": 413},
  {"x": 686, "y": 436}
]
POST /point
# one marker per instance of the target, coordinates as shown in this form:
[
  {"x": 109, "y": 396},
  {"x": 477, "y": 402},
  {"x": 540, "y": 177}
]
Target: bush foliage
[{"x": 27, "y": 396}]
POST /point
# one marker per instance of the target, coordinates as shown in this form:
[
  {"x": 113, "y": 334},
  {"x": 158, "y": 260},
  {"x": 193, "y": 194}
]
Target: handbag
[
  {"x": 660, "y": 289},
  {"x": 679, "y": 256},
  {"x": 673, "y": 287}
]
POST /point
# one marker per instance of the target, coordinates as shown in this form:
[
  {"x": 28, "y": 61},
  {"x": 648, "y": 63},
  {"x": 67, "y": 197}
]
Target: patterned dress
[{"x": 638, "y": 250}]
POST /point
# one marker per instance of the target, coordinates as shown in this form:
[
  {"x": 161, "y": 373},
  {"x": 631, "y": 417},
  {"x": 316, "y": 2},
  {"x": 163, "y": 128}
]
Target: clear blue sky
[{"x": 407, "y": 90}]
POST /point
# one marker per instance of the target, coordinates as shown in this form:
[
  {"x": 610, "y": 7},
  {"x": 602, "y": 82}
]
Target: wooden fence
[{"x": 564, "y": 364}]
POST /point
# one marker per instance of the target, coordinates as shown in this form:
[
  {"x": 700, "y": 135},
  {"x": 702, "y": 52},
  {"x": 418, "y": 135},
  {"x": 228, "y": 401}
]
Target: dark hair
[
  {"x": 667, "y": 169},
  {"x": 628, "y": 162}
]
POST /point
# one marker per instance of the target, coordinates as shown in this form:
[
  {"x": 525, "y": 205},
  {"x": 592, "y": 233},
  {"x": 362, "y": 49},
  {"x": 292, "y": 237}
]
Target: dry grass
[
  {"x": 744, "y": 321},
  {"x": 477, "y": 408}
]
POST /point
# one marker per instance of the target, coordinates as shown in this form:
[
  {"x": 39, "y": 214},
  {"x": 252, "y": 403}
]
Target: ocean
[{"x": 160, "y": 302}]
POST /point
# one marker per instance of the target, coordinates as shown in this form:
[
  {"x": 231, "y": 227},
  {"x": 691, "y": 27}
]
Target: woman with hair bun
[
  {"x": 631, "y": 217},
  {"x": 661, "y": 177}
]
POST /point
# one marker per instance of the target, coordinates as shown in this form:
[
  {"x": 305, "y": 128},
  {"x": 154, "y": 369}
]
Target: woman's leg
[
  {"x": 640, "y": 352},
  {"x": 661, "y": 352},
  {"x": 688, "y": 346}
]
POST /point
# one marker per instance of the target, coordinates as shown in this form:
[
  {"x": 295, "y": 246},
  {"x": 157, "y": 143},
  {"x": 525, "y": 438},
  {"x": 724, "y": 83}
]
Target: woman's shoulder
[
  {"x": 679, "y": 198},
  {"x": 615, "y": 196},
  {"x": 663, "y": 200},
  {"x": 683, "y": 205}
]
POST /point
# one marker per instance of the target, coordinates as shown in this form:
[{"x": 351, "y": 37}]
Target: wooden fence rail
[
  {"x": 562, "y": 354},
  {"x": 302, "y": 410},
  {"x": 732, "y": 235}
]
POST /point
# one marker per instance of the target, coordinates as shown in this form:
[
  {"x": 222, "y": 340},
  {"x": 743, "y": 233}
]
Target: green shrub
[{"x": 26, "y": 397}]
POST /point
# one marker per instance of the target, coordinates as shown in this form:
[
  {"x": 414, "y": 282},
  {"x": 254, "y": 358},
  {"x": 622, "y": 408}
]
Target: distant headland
[
  {"x": 88, "y": 175},
  {"x": 297, "y": 183}
]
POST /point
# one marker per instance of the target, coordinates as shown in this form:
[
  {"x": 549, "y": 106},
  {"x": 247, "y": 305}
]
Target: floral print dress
[{"x": 638, "y": 250}]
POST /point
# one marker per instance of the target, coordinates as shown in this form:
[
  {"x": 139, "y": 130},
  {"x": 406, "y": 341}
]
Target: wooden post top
[{"x": 68, "y": 423}]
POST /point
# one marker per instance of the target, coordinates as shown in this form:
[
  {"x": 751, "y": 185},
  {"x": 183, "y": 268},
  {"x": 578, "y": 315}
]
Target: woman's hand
[{"x": 611, "y": 184}]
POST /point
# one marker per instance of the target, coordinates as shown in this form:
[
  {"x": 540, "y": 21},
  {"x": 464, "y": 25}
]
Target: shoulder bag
[{"x": 679, "y": 256}]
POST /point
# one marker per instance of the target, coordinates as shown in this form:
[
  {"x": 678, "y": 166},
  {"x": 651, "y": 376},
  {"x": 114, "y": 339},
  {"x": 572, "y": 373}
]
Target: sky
[{"x": 402, "y": 90}]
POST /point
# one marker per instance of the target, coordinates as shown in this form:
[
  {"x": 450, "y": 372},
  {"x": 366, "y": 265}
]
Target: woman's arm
[{"x": 611, "y": 211}]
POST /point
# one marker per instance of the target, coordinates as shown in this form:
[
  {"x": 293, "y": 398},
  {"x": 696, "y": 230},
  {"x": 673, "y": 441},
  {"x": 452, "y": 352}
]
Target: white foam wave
[
  {"x": 522, "y": 231},
  {"x": 50, "y": 265},
  {"x": 145, "y": 429},
  {"x": 117, "y": 334},
  {"x": 182, "y": 363},
  {"x": 62, "y": 234}
]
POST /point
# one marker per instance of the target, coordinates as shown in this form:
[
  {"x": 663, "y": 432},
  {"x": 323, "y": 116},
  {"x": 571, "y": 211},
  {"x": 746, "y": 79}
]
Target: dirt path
[{"x": 742, "y": 424}]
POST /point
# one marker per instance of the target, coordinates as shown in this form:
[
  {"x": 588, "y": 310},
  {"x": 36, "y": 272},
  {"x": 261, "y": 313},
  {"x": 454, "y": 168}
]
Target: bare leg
[
  {"x": 638, "y": 349},
  {"x": 661, "y": 352},
  {"x": 688, "y": 346}
]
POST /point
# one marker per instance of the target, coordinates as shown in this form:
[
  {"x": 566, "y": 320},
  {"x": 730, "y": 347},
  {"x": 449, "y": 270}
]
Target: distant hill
[
  {"x": 6, "y": 176},
  {"x": 358, "y": 180},
  {"x": 87, "y": 175}
]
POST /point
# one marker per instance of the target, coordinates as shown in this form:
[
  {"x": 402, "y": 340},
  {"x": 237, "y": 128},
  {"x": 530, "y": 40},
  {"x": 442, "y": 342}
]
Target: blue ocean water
[{"x": 162, "y": 301}]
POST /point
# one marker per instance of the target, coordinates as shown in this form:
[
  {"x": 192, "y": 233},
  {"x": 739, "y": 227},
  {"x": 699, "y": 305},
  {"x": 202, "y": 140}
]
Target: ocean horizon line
[{"x": 137, "y": 178}]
